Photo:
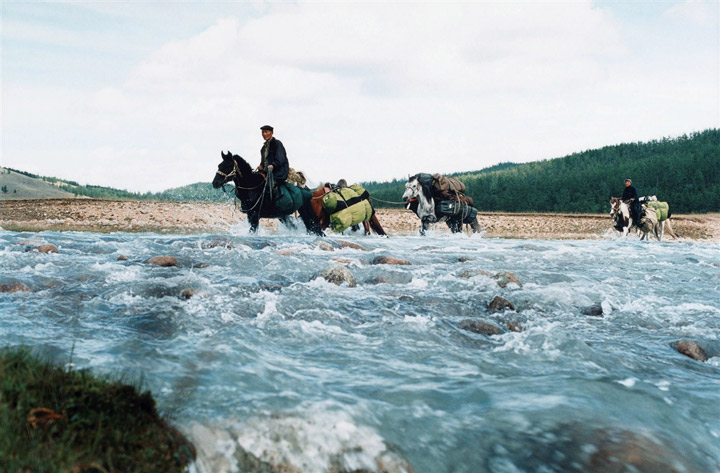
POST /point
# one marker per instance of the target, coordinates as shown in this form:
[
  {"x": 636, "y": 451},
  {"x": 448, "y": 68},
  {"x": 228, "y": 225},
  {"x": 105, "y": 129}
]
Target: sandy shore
[{"x": 202, "y": 217}]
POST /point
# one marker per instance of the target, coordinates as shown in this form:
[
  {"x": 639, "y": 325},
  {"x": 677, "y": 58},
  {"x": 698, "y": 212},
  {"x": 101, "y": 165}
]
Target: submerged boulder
[
  {"x": 325, "y": 442},
  {"x": 351, "y": 245},
  {"x": 389, "y": 260},
  {"x": 499, "y": 304},
  {"x": 47, "y": 248},
  {"x": 217, "y": 243},
  {"x": 14, "y": 287},
  {"x": 339, "y": 274},
  {"x": 505, "y": 278},
  {"x": 164, "y": 261},
  {"x": 690, "y": 349},
  {"x": 594, "y": 310},
  {"x": 323, "y": 245},
  {"x": 471, "y": 273},
  {"x": 481, "y": 327}
]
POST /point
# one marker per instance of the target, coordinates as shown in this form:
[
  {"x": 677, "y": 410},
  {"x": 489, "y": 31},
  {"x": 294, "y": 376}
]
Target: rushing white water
[{"x": 267, "y": 365}]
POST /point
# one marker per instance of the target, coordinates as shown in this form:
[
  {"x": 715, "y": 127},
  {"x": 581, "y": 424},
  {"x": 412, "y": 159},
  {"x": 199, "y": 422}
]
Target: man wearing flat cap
[
  {"x": 273, "y": 157},
  {"x": 630, "y": 196}
]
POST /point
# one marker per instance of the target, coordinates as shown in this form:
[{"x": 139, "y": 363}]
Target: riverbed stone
[
  {"x": 595, "y": 310},
  {"x": 352, "y": 245},
  {"x": 46, "y": 248},
  {"x": 471, "y": 273},
  {"x": 339, "y": 274},
  {"x": 323, "y": 245},
  {"x": 377, "y": 280},
  {"x": 14, "y": 287},
  {"x": 514, "y": 326},
  {"x": 164, "y": 261},
  {"x": 480, "y": 326},
  {"x": 499, "y": 304},
  {"x": 691, "y": 349},
  {"x": 389, "y": 260},
  {"x": 505, "y": 278},
  {"x": 189, "y": 292},
  {"x": 217, "y": 243},
  {"x": 122, "y": 258}
]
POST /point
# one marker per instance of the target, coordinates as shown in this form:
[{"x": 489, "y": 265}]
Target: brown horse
[{"x": 323, "y": 219}]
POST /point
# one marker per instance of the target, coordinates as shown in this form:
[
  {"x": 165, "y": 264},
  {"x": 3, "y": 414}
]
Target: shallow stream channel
[{"x": 256, "y": 354}]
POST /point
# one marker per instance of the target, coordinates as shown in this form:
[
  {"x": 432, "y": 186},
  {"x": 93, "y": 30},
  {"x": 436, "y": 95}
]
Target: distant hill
[
  {"x": 683, "y": 171},
  {"x": 25, "y": 185},
  {"x": 18, "y": 185}
]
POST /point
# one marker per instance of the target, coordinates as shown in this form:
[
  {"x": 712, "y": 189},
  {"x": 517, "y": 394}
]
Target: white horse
[
  {"x": 418, "y": 198},
  {"x": 620, "y": 213}
]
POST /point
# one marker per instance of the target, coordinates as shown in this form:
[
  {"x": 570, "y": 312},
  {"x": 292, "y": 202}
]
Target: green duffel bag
[
  {"x": 287, "y": 198},
  {"x": 339, "y": 199},
  {"x": 353, "y": 215},
  {"x": 662, "y": 210}
]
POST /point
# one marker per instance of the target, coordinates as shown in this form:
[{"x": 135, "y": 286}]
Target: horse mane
[{"x": 243, "y": 166}]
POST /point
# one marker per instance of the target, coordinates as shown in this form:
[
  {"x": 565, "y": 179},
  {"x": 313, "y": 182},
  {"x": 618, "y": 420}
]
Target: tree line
[{"x": 683, "y": 171}]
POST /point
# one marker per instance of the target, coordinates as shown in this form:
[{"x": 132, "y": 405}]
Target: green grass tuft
[{"x": 86, "y": 425}]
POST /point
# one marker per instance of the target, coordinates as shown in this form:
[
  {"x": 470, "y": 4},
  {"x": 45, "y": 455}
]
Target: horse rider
[
  {"x": 630, "y": 196},
  {"x": 273, "y": 157}
]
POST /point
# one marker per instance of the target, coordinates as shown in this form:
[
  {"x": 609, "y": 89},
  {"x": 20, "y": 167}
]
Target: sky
[{"x": 144, "y": 96}]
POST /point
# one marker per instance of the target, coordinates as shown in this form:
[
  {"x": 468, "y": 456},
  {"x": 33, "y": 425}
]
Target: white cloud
[
  {"x": 371, "y": 92},
  {"x": 695, "y": 11}
]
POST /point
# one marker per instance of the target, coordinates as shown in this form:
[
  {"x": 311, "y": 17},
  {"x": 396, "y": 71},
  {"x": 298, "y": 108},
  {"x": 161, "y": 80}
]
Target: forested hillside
[{"x": 683, "y": 171}]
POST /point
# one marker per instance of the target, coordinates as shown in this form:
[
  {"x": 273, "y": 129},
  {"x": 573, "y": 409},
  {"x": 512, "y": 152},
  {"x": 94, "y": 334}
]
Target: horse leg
[
  {"x": 311, "y": 224},
  {"x": 660, "y": 230},
  {"x": 286, "y": 220},
  {"x": 254, "y": 221},
  {"x": 670, "y": 229},
  {"x": 375, "y": 225},
  {"x": 366, "y": 226},
  {"x": 423, "y": 226}
]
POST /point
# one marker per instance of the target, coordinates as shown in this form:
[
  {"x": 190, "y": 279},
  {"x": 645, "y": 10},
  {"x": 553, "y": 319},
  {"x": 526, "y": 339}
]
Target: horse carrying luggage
[
  {"x": 347, "y": 206},
  {"x": 662, "y": 210}
]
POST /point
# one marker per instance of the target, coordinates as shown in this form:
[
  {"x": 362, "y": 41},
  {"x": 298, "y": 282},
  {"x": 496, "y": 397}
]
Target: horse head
[
  {"x": 235, "y": 168},
  {"x": 418, "y": 190},
  {"x": 225, "y": 172},
  {"x": 620, "y": 213}
]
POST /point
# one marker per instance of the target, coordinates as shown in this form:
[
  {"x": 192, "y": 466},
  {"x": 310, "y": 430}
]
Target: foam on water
[{"x": 267, "y": 362}]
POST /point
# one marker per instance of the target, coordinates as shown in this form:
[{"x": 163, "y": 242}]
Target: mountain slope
[{"x": 15, "y": 185}]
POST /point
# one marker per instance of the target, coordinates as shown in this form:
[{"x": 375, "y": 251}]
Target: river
[{"x": 262, "y": 362}]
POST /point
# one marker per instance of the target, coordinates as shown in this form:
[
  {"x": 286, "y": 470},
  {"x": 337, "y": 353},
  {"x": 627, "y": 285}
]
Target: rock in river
[
  {"x": 691, "y": 349},
  {"x": 339, "y": 274},
  {"x": 481, "y": 327},
  {"x": 164, "y": 261},
  {"x": 499, "y": 303},
  {"x": 389, "y": 260}
]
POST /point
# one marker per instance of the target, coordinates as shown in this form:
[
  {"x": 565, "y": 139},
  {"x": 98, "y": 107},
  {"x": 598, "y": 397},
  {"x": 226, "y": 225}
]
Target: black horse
[{"x": 260, "y": 199}]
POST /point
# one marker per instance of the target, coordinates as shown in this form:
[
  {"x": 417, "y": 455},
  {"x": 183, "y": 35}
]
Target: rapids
[{"x": 262, "y": 362}]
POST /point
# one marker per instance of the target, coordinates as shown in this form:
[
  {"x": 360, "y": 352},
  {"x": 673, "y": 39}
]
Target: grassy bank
[{"x": 54, "y": 419}]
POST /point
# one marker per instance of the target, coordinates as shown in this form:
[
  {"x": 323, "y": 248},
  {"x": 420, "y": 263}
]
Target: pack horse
[
  {"x": 437, "y": 198},
  {"x": 655, "y": 217}
]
